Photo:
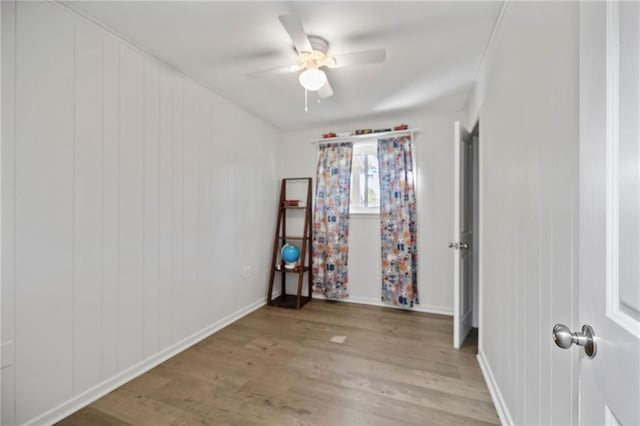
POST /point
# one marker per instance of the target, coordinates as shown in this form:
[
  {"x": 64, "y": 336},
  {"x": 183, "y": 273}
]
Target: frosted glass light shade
[{"x": 312, "y": 79}]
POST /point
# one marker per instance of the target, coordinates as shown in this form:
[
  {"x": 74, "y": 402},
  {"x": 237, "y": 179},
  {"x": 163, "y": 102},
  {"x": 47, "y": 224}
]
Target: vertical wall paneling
[
  {"x": 189, "y": 194},
  {"x": 205, "y": 275},
  {"x": 166, "y": 313},
  {"x": 119, "y": 185},
  {"x": 219, "y": 193},
  {"x": 87, "y": 315},
  {"x": 529, "y": 182},
  {"x": 7, "y": 346},
  {"x": 151, "y": 206},
  {"x": 44, "y": 207},
  {"x": 110, "y": 206},
  {"x": 178, "y": 287},
  {"x": 200, "y": 214},
  {"x": 131, "y": 178}
]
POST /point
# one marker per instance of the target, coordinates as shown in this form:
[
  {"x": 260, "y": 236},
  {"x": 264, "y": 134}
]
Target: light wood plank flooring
[{"x": 278, "y": 367}]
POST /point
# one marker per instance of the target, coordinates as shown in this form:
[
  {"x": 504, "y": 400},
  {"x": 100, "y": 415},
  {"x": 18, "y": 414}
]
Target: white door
[
  {"x": 609, "y": 257},
  {"x": 461, "y": 244}
]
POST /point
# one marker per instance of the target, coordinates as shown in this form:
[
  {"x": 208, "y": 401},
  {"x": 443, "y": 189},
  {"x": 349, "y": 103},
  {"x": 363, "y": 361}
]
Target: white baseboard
[
  {"x": 496, "y": 395},
  {"x": 77, "y": 402},
  {"x": 430, "y": 309}
]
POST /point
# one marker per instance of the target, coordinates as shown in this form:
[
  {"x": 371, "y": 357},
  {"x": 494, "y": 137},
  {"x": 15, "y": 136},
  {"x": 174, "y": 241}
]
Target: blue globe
[{"x": 290, "y": 254}]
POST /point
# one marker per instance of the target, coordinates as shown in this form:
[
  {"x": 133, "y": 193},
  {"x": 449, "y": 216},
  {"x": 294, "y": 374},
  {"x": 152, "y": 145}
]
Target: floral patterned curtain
[
  {"x": 398, "y": 222},
  {"x": 331, "y": 221}
]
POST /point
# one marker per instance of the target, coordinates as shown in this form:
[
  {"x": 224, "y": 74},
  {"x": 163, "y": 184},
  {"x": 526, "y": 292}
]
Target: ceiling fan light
[{"x": 312, "y": 79}]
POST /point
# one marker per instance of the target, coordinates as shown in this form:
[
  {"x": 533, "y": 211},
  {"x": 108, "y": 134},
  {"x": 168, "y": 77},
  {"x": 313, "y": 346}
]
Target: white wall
[
  {"x": 434, "y": 156},
  {"x": 133, "y": 198},
  {"x": 527, "y": 103}
]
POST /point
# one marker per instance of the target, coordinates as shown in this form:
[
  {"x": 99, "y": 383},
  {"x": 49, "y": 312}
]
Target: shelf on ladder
[
  {"x": 304, "y": 262},
  {"x": 290, "y": 301}
]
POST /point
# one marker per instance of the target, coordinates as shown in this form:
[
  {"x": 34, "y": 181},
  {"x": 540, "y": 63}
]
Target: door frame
[
  {"x": 478, "y": 236},
  {"x": 475, "y": 169},
  {"x": 459, "y": 131}
]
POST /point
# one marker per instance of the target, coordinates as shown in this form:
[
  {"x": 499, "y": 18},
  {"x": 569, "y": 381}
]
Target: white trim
[
  {"x": 475, "y": 291},
  {"x": 427, "y": 309},
  {"x": 490, "y": 42},
  {"x": 356, "y": 138},
  {"x": 496, "y": 395},
  {"x": 613, "y": 310},
  {"x": 483, "y": 61},
  {"x": 457, "y": 320},
  {"x": 479, "y": 236},
  {"x": 77, "y": 402}
]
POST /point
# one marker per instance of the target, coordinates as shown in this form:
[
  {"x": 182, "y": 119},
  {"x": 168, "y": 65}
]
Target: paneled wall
[
  {"x": 133, "y": 198},
  {"x": 527, "y": 104}
]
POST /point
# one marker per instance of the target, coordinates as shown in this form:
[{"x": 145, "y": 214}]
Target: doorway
[{"x": 465, "y": 243}]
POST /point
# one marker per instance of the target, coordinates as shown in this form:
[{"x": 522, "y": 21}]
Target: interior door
[
  {"x": 461, "y": 244},
  {"x": 609, "y": 264}
]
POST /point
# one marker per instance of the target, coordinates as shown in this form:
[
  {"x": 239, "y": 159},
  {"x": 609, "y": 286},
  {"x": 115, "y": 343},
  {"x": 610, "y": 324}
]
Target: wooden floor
[{"x": 278, "y": 367}]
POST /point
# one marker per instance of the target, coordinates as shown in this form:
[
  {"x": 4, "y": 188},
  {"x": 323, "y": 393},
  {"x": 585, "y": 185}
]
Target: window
[{"x": 365, "y": 185}]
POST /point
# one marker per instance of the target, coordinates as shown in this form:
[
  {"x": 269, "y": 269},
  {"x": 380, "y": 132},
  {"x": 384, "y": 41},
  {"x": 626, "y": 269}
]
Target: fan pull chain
[{"x": 306, "y": 101}]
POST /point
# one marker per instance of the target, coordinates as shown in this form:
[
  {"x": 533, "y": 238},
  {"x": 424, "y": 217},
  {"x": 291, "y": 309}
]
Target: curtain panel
[
  {"x": 331, "y": 220},
  {"x": 398, "y": 222}
]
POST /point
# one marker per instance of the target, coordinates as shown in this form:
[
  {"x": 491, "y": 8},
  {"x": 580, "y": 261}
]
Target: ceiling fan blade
[
  {"x": 326, "y": 90},
  {"x": 274, "y": 71},
  {"x": 294, "y": 27},
  {"x": 364, "y": 57}
]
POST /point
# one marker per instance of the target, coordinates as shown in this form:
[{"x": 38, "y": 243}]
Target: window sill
[{"x": 364, "y": 213}]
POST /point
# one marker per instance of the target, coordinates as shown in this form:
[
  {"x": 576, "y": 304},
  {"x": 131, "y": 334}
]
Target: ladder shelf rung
[{"x": 298, "y": 270}]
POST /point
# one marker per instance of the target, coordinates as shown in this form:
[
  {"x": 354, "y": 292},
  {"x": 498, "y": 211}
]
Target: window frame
[{"x": 364, "y": 148}]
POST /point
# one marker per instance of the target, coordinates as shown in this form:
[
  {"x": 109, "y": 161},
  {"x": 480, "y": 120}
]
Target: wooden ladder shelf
[{"x": 302, "y": 241}]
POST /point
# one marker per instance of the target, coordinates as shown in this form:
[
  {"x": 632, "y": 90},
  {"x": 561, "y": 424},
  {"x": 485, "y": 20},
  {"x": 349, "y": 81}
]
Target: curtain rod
[{"x": 354, "y": 138}]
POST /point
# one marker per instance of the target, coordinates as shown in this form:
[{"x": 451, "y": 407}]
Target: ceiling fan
[{"x": 313, "y": 56}]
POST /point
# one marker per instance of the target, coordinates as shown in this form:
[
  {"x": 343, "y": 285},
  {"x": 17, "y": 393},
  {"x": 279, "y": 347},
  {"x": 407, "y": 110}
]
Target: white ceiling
[{"x": 433, "y": 51}]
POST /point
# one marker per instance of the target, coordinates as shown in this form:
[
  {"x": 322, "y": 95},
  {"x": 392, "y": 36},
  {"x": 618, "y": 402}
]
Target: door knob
[
  {"x": 462, "y": 246},
  {"x": 564, "y": 338}
]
